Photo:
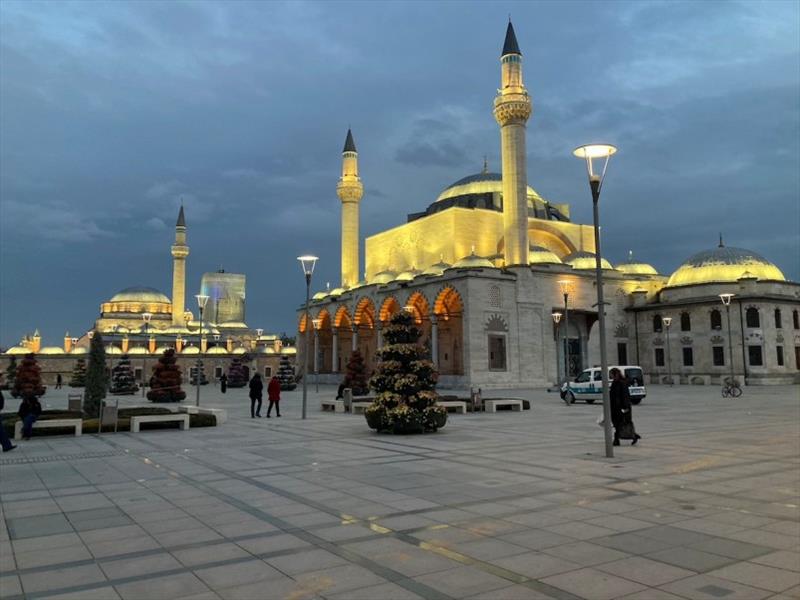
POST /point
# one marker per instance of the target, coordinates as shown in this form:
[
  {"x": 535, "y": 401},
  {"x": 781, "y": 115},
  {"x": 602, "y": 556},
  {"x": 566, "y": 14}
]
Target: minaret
[
  {"x": 179, "y": 253},
  {"x": 350, "y": 190},
  {"x": 512, "y": 108}
]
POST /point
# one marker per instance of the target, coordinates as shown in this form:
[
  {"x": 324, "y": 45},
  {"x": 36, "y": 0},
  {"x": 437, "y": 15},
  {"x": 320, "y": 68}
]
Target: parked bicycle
[{"x": 731, "y": 388}]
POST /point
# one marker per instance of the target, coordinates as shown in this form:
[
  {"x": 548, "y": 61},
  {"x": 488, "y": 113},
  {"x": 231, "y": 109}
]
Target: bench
[
  {"x": 491, "y": 405},
  {"x": 332, "y": 405},
  {"x": 220, "y": 413},
  {"x": 360, "y": 407},
  {"x": 50, "y": 424},
  {"x": 457, "y": 405},
  {"x": 182, "y": 419}
]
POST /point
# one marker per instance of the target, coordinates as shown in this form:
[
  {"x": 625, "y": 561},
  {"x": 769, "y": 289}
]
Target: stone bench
[
  {"x": 360, "y": 407},
  {"x": 182, "y": 419},
  {"x": 457, "y": 405},
  {"x": 332, "y": 405},
  {"x": 220, "y": 413},
  {"x": 50, "y": 424},
  {"x": 491, "y": 405}
]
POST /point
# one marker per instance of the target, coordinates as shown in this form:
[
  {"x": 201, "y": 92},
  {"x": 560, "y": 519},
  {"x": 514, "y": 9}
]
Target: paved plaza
[{"x": 506, "y": 506}]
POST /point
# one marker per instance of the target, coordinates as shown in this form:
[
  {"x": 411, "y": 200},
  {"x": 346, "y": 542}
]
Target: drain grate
[{"x": 24, "y": 460}]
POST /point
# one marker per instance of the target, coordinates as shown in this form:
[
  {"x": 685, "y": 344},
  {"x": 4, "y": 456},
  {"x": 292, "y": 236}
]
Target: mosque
[
  {"x": 491, "y": 266},
  {"x": 143, "y": 322}
]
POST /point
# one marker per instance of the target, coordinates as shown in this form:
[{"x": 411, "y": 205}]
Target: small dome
[
  {"x": 724, "y": 264},
  {"x": 75, "y": 350},
  {"x": 473, "y": 261},
  {"x": 319, "y": 295},
  {"x": 240, "y": 350},
  {"x": 437, "y": 268},
  {"x": 140, "y": 294},
  {"x": 217, "y": 350},
  {"x": 635, "y": 267},
  {"x": 289, "y": 350},
  {"x": 190, "y": 350},
  {"x": 407, "y": 275},
  {"x": 162, "y": 349},
  {"x": 541, "y": 255},
  {"x": 384, "y": 277},
  {"x": 585, "y": 261},
  {"x": 113, "y": 349},
  {"x": 267, "y": 350},
  {"x": 18, "y": 350},
  {"x": 138, "y": 350},
  {"x": 50, "y": 350},
  {"x": 337, "y": 291}
]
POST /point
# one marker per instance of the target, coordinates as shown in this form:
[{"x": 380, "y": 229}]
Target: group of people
[{"x": 257, "y": 392}]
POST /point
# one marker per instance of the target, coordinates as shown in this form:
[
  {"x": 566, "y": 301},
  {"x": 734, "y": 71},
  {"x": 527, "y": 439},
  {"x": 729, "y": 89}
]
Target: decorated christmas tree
[
  {"x": 356, "y": 376},
  {"x": 165, "y": 384},
  {"x": 193, "y": 374},
  {"x": 404, "y": 383},
  {"x": 122, "y": 378},
  {"x": 78, "y": 374},
  {"x": 286, "y": 374},
  {"x": 96, "y": 377},
  {"x": 238, "y": 373},
  {"x": 11, "y": 373},
  {"x": 28, "y": 379}
]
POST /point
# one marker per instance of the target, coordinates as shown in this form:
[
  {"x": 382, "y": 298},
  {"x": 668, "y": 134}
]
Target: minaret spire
[
  {"x": 721, "y": 245},
  {"x": 350, "y": 191},
  {"x": 179, "y": 253}
]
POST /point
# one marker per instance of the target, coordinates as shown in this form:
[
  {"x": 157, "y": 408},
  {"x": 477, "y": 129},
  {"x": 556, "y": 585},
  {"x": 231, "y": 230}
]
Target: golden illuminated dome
[
  {"x": 384, "y": 277},
  {"x": 289, "y": 350},
  {"x": 190, "y": 350},
  {"x": 635, "y": 267},
  {"x": 724, "y": 264},
  {"x": 113, "y": 349},
  {"x": 139, "y": 294},
  {"x": 437, "y": 268},
  {"x": 138, "y": 350},
  {"x": 79, "y": 350},
  {"x": 51, "y": 350},
  {"x": 540, "y": 254},
  {"x": 479, "y": 183},
  {"x": 585, "y": 261},
  {"x": 162, "y": 349},
  {"x": 319, "y": 295},
  {"x": 473, "y": 261},
  {"x": 407, "y": 275},
  {"x": 18, "y": 350},
  {"x": 267, "y": 350},
  {"x": 217, "y": 350},
  {"x": 240, "y": 350}
]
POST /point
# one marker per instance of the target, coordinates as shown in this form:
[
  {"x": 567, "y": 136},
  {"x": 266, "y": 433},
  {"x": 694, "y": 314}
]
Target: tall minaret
[
  {"x": 179, "y": 253},
  {"x": 512, "y": 108},
  {"x": 350, "y": 190}
]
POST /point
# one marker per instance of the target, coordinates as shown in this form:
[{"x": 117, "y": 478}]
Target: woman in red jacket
[{"x": 274, "y": 394}]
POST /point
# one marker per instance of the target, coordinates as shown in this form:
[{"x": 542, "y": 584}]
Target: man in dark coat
[
  {"x": 4, "y": 441},
  {"x": 29, "y": 411},
  {"x": 621, "y": 416},
  {"x": 256, "y": 395},
  {"x": 223, "y": 383}
]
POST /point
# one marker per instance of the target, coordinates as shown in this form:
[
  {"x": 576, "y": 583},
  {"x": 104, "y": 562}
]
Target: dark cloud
[{"x": 112, "y": 113}]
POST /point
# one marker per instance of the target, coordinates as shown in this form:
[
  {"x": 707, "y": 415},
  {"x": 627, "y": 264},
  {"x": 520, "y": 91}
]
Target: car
[{"x": 588, "y": 385}]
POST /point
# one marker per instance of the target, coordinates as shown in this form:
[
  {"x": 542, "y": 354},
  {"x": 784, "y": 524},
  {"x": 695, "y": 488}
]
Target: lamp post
[
  {"x": 146, "y": 319},
  {"x": 307, "y": 263},
  {"x": 556, "y": 320},
  {"x": 667, "y": 322},
  {"x": 590, "y": 153},
  {"x": 317, "y": 325},
  {"x": 565, "y": 286},
  {"x": 726, "y": 300},
  {"x": 201, "y": 305}
]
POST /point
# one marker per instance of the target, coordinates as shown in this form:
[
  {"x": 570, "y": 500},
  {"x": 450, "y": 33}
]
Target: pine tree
[
  {"x": 28, "y": 379},
  {"x": 356, "y": 376},
  {"x": 96, "y": 377},
  {"x": 238, "y": 373},
  {"x": 286, "y": 374},
  {"x": 11, "y": 373},
  {"x": 123, "y": 380},
  {"x": 165, "y": 384},
  {"x": 78, "y": 374},
  {"x": 404, "y": 382}
]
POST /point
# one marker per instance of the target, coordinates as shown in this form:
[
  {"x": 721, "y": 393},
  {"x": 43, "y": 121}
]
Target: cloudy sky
[{"x": 111, "y": 112}]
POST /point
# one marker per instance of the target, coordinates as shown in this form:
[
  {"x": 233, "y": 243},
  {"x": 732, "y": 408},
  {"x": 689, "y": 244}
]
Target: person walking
[
  {"x": 256, "y": 396},
  {"x": 621, "y": 416},
  {"x": 29, "y": 411},
  {"x": 58, "y": 381},
  {"x": 4, "y": 441},
  {"x": 223, "y": 383},
  {"x": 274, "y": 395}
]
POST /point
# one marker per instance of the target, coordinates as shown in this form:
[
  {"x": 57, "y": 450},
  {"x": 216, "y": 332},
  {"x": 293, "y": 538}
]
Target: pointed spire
[
  {"x": 181, "y": 219},
  {"x": 485, "y": 164},
  {"x": 349, "y": 144},
  {"x": 630, "y": 256},
  {"x": 721, "y": 245},
  {"x": 510, "y": 46}
]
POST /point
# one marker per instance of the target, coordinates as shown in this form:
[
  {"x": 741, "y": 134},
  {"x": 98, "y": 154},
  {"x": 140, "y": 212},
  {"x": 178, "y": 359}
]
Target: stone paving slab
[{"x": 495, "y": 506}]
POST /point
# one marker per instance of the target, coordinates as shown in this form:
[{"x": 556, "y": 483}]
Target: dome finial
[
  {"x": 630, "y": 255},
  {"x": 485, "y": 164},
  {"x": 721, "y": 245}
]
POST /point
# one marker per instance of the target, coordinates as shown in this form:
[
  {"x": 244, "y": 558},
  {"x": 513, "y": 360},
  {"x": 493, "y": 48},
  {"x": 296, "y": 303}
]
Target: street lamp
[
  {"x": 667, "y": 322},
  {"x": 566, "y": 285},
  {"x": 146, "y": 319},
  {"x": 591, "y": 153},
  {"x": 202, "y": 299},
  {"x": 317, "y": 324},
  {"x": 307, "y": 263},
  {"x": 556, "y": 320},
  {"x": 726, "y": 300}
]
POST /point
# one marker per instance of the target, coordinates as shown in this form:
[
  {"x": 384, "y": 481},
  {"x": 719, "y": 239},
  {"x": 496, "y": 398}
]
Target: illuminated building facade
[{"x": 226, "y": 297}]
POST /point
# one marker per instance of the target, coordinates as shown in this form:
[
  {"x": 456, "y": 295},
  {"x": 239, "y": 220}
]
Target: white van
[{"x": 588, "y": 386}]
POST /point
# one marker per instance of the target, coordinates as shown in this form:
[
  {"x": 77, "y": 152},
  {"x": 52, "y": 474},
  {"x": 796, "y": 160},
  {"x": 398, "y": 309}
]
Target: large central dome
[
  {"x": 724, "y": 264},
  {"x": 479, "y": 183},
  {"x": 140, "y": 294}
]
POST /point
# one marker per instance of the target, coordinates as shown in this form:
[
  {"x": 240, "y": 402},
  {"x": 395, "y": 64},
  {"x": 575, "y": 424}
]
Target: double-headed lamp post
[
  {"x": 307, "y": 262},
  {"x": 146, "y": 319},
  {"x": 317, "y": 325},
  {"x": 201, "y": 305},
  {"x": 600, "y": 153},
  {"x": 565, "y": 285},
  {"x": 726, "y": 300},
  {"x": 556, "y": 320},
  {"x": 667, "y": 322}
]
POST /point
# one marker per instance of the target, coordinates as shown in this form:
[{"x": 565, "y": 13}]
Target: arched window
[
  {"x": 657, "y": 327},
  {"x": 796, "y": 319},
  {"x": 751, "y": 317},
  {"x": 778, "y": 323},
  {"x": 686, "y": 322},
  {"x": 716, "y": 319}
]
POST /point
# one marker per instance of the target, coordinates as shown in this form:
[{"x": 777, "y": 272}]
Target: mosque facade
[{"x": 485, "y": 268}]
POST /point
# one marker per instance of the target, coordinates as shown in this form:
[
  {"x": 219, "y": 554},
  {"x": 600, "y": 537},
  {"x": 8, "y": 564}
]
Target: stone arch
[
  {"x": 419, "y": 305},
  {"x": 449, "y": 310},
  {"x": 448, "y": 303},
  {"x": 542, "y": 234},
  {"x": 325, "y": 316},
  {"x": 496, "y": 323},
  {"x": 389, "y": 307},
  {"x": 302, "y": 323},
  {"x": 341, "y": 317},
  {"x": 365, "y": 313}
]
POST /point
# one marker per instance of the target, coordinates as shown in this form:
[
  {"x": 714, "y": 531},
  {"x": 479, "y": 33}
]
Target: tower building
[
  {"x": 350, "y": 190},
  {"x": 512, "y": 108},
  {"x": 179, "y": 253}
]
